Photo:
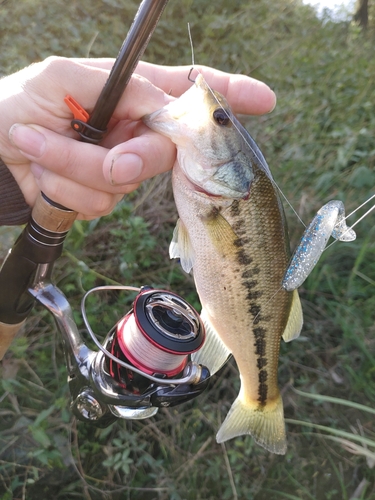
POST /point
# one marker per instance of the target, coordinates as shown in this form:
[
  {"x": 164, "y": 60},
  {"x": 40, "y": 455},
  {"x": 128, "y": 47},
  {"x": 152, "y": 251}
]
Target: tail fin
[{"x": 265, "y": 425}]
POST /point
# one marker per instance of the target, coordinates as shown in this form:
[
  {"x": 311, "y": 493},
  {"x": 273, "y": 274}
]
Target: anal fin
[{"x": 214, "y": 352}]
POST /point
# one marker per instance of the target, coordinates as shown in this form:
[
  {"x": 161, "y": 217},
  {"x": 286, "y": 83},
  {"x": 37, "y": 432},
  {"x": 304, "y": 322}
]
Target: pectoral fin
[
  {"x": 295, "y": 321},
  {"x": 180, "y": 247},
  {"x": 220, "y": 232},
  {"x": 214, "y": 353}
]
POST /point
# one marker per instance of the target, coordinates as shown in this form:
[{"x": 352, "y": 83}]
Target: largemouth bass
[{"x": 232, "y": 233}]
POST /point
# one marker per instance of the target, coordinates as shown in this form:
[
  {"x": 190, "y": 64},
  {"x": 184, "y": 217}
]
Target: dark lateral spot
[
  {"x": 249, "y": 285},
  {"x": 249, "y": 273},
  {"x": 262, "y": 392},
  {"x": 243, "y": 258},
  {"x": 262, "y": 376},
  {"x": 238, "y": 227},
  {"x": 254, "y": 295},
  {"x": 254, "y": 309},
  {"x": 261, "y": 363},
  {"x": 234, "y": 208},
  {"x": 260, "y": 347},
  {"x": 262, "y": 387},
  {"x": 215, "y": 211},
  {"x": 260, "y": 332},
  {"x": 240, "y": 242}
]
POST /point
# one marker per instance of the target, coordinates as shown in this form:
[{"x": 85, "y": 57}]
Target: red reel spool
[{"x": 157, "y": 336}]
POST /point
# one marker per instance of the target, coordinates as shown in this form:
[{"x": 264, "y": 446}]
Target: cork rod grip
[
  {"x": 7, "y": 334},
  {"x": 51, "y": 217}
]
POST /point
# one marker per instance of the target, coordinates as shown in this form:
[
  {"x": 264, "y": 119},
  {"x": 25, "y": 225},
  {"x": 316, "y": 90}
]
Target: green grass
[{"x": 320, "y": 145}]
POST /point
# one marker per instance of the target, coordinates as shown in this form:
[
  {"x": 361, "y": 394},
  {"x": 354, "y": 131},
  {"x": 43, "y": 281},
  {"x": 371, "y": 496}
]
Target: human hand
[{"x": 91, "y": 179}]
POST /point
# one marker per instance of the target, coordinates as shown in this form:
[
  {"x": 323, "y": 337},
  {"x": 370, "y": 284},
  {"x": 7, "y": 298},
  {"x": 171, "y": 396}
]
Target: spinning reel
[{"x": 143, "y": 363}]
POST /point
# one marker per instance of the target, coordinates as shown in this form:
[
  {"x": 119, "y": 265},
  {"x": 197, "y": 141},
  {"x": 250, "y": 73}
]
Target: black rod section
[{"x": 132, "y": 49}]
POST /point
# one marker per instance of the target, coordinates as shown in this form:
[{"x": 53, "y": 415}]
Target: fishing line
[
  {"x": 364, "y": 203},
  {"x": 363, "y": 216},
  {"x": 290, "y": 205},
  {"x": 191, "y": 46},
  {"x": 359, "y": 220},
  {"x": 257, "y": 156}
]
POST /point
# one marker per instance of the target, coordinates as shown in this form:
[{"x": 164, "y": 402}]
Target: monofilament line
[
  {"x": 363, "y": 216},
  {"x": 359, "y": 220},
  {"x": 191, "y": 46},
  {"x": 360, "y": 206}
]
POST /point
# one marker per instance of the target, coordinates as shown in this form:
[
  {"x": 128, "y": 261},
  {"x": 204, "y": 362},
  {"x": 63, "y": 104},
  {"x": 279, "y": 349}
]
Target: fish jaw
[{"x": 166, "y": 123}]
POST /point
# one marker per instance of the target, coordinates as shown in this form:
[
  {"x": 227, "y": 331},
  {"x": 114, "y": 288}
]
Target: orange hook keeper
[{"x": 78, "y": 112}]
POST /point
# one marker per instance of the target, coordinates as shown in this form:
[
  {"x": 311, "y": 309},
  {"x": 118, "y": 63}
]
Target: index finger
[{"x": 245, "y": 94}]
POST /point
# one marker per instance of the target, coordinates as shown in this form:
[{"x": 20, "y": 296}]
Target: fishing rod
[{"x": 144, "y": 362}]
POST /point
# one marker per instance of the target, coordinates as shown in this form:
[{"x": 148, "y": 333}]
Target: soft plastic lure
[{"x": 329, "y": 221}]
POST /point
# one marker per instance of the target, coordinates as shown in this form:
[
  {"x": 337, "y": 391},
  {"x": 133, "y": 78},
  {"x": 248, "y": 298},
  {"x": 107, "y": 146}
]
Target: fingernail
[
  {"x": 125, "y": 168},
  {"x": 36, "y": 170},
  {"x": 275, "y": 102},
  {"x": 27, "y": 140}
]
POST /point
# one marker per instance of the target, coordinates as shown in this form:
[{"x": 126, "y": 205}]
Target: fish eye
[{"x": 221, "y": 117}]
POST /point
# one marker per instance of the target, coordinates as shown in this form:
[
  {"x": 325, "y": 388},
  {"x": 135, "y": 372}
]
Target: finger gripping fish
[{"x": 232, "y": 233}]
